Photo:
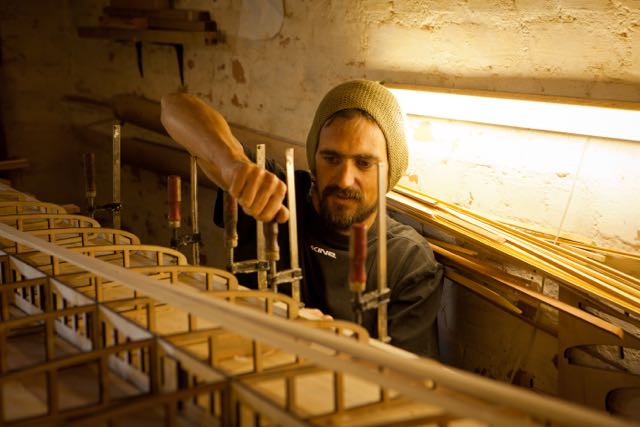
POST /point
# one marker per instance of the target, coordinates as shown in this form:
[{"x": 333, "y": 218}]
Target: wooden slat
[{"x": 500, "y": 277}]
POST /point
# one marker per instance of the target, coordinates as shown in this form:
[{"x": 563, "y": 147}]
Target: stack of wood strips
[
  {"x": 97, "y": 328},
  {"x": 154, "y": 15},
  {"x": 575, "y": 265}
]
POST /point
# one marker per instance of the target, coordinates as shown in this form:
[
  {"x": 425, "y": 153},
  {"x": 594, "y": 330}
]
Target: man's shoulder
[
  {"x": 399, "y": 231},
  {"x": 404, "y": 242}
]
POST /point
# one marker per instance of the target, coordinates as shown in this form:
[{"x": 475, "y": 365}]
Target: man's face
[{"x": 348, "y": 153}]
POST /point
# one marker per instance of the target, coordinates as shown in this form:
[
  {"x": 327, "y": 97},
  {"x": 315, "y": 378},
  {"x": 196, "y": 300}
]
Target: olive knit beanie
[{"x": 376, "y": 100}]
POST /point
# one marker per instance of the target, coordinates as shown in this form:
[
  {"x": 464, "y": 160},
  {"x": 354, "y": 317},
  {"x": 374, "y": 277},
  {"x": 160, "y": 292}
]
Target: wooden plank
[
  {"x": 481, "y": 290},
  {"x": 141, "y": 4},
  {"x": 175, "y": 14},
  {"x": 499, "y": 276},
  {"x": 13, "y": 164},
  {"x": 196, "y": 38},
  {"x": 29, "y": 207}
]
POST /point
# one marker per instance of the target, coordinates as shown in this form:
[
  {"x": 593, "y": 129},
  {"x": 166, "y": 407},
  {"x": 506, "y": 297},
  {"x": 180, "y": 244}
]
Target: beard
[{"x": 342, "y": 217}]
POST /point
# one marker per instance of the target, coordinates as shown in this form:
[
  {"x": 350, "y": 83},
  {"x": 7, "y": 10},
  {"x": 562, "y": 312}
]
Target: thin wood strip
[
  {"x": 232, "y": 281},
  {"x": 34, "y": 204},
  {"x": 73, "y": 360},
  {"x": 45, "y": 316},
  {"x": 88, "y": 232},
  {"x": 50, "y": 217},
  {"x": 452, "y": 247},
  {"x": 494, "y": 274},
  {"x": 515, "y": 232},
  {"x": 476, "y": 287},
  {"x": 596, "y": 256},
  {"x": 575, "y": 263},
  {"x": 127, "y": 249}
]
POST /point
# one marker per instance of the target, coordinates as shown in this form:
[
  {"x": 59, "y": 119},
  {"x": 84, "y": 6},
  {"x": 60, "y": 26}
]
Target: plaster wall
[{"x": 585, "y": 49}]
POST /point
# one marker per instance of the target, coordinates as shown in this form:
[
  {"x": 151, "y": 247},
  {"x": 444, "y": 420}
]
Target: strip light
[{"x": 606, "y": 119}]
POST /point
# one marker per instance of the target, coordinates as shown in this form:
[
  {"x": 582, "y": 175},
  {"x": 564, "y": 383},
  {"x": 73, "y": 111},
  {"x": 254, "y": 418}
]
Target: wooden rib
[
  {"x": 126, "y": 250},
  {"x": 232, "y": 281},
  {"x": 340, "y": 327},
  {"x": 267, "y": 296},
  {"x": 295, "y": 338},
  {"x": 29, "y": 207},
  {"x": 13, "y": 195},
  {"x": 87, "y": 234},
  {"x": 487, "y": 413},
  {"x": 38, "y": 221}
]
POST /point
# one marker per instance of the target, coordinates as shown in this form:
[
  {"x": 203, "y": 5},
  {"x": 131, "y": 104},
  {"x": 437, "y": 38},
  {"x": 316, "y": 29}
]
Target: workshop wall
[
  {"x": 577, "y": 48},
  {"x": 586, "y": 49}
]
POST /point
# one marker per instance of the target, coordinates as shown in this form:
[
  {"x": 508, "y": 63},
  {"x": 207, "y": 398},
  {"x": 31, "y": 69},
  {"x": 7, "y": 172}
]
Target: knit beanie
[{"x": 376, "y": 100}]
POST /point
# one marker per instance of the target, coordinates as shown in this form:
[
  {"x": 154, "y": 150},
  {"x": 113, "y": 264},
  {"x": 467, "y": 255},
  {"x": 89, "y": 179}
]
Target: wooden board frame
[{"x": 402, "y": 382}]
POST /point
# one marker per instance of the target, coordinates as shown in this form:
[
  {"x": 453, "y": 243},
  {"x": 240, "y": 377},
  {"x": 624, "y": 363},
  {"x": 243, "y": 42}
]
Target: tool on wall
[
  {"x": 89, "y": 161},
  {"x": 268, "y": 250},
  {"x": 174, "y": 198},
  {"x": 379, "y": 298}
]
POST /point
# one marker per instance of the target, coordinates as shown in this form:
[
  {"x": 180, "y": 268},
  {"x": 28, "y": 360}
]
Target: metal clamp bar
[
  {"x": 260, "y": 245},
  {"x": 382, "y": 250},
  {"x": 195, "y": 244},
  {"x": 116, "y": 174},
  {"x": 293, "y": 224},
  {"x": 285, "y": 276},
  {"x": 250, "y": 266}
]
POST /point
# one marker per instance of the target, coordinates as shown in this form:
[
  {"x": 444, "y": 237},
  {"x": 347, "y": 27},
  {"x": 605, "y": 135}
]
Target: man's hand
[{"x": 259, "y": 192}]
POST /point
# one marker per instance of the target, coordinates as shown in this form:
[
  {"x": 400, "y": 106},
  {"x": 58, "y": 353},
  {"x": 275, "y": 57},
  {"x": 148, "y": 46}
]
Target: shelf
[{"x": 202, "y": 38}]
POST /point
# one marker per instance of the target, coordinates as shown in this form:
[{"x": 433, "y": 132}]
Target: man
[{"x": 357, "y": 125}]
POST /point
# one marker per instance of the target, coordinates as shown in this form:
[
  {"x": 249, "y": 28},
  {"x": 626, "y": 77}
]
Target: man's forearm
[{"x": 205, "y": 133}]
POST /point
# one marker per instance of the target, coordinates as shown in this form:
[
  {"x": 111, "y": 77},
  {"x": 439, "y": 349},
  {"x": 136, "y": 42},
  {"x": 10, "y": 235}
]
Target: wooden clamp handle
[
  {"x": 89, "y": 160},
  {"x": 358, "y": 258},
  {"x": 174, "y": 198},
  {"x": 230, "y": 210},
  {"x": 271, "y": 241}
]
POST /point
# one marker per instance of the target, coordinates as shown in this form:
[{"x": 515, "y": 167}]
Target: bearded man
[{"x": 357, "y": 125}]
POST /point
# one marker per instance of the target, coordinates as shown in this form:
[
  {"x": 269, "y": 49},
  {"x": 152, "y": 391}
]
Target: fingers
[
  {"x": 259, "y": 192},
  {"x": 282, "y": 216}
]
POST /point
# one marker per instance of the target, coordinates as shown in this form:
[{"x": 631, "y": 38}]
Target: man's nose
[{"x": 346, "y": 175}]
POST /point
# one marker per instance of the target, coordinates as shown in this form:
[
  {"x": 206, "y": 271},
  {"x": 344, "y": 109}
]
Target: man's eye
[
  {"x": 364, "y": 164},
  {"x": 333, "y": 160}
]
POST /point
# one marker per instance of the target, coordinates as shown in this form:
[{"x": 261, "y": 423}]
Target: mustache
[{"x": 346, "y": 193}]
